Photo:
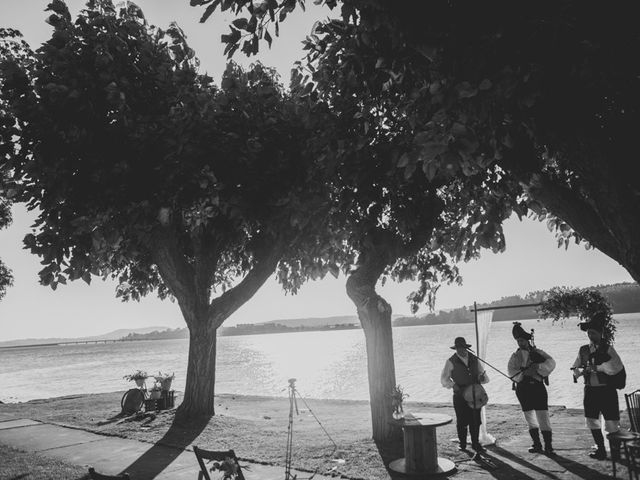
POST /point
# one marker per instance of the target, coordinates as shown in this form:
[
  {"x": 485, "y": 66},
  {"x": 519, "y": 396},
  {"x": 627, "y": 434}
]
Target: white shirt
[
  {"x": 610, "y": 367},
  {"x": 520, "y": 359},
  {"x": 445, "y": 376}
]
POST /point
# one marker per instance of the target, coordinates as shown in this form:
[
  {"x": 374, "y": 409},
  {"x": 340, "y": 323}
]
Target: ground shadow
[
  {"x": 392, "y": 450},
  {"x": 501, "y": 470},
  {"x": 173, "y": 443},
  {"x": 579, "y": 469},
  {"x": 521, "y": 461}
]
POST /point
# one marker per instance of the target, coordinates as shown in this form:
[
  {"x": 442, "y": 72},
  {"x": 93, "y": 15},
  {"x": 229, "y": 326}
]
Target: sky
[{"x": 531, "y": 262}]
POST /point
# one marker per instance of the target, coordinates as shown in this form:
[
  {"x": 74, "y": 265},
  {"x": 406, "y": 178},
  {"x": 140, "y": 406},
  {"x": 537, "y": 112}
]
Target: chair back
[
  {"x": 633, "y": 409},
  {"x": 93, "y": 475},
  {"x": 217, "y": 456}
]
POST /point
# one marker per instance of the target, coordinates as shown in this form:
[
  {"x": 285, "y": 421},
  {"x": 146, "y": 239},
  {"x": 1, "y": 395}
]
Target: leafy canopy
[
  {"x": 544, "y": 89},
  {"x": 127, "y": 150}
]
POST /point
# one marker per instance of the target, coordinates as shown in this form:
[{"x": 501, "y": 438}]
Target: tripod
[{"x": 293, "y": 407}]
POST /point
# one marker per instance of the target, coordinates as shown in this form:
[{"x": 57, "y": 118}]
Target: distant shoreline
[{"x": 265, "y": 331}]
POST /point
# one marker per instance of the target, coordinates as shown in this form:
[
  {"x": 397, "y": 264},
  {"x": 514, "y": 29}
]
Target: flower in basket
[
  {"x": 138, "y": 376},
  {"x": 397, "y": 397},
  {"x": 164, "y": 380},
  {"x": 229, "y": 468}
]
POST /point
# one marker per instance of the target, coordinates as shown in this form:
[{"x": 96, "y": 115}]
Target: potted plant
[
  {"x": 156, "y": 392},
  {"x": 397, "y": 397},
  {"x": 138, "y": 376},
  {"x": 164, "y": 380}
]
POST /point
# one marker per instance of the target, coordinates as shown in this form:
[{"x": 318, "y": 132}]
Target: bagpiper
[{"x": 529, "y": 368}]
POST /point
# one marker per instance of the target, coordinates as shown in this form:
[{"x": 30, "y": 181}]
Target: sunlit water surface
[{"x": 326, "y": 364}]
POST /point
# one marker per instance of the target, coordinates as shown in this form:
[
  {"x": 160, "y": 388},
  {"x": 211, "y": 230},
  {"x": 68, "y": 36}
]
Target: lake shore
[{"x": 256, "y": 428}]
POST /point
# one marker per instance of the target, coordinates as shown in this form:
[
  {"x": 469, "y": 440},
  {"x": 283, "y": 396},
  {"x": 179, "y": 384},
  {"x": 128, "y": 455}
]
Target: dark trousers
[
  {"x": 601, "y": 400},
  {"x": 467, "y": 417},
  {"x": 532, "y": 395}
]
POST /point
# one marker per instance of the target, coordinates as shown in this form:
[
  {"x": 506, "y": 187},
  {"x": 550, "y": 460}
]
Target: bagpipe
[
  {"x": 535, "y": 357},
  {"x": 598, "y": 357}
]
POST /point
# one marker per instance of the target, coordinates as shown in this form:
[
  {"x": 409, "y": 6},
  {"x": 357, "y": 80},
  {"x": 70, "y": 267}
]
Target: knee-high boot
[
  {"x": 535, "y": 436},
  {"x": 600, "y": 453},
  {"x": 462, "y": 436},
  {"x": 548, "y": 446}
]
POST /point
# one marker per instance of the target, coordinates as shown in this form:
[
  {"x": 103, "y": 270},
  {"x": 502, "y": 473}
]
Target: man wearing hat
[
  {"x": 461, "y": 370},
  {"x": 529, "y": 367},
  {"x": 597, "y": 362}
]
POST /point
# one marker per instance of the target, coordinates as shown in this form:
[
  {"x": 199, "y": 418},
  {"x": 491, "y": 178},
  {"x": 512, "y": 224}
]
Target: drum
[{"x": 475, "y": 395}]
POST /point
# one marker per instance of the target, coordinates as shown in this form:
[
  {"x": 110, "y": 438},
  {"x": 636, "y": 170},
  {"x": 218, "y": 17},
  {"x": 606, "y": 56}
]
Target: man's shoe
[
  {"x": 535, "y": 449},
  {"x": 549, "y": 451},
  {"x": 462, "y": 448},
  {"x": 599, "y": 454}
]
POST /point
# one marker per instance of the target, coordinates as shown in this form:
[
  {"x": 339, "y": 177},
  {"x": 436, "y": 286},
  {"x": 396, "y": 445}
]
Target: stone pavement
[
  {"x": 148, "y": 461},
  {"x": 113, "y": 455},
  {"x": 571, "y": 442}
]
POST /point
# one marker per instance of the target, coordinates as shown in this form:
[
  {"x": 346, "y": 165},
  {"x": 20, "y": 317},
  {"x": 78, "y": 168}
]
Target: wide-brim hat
[
  {"x": 460, "y": 342},
  {"x": 591, "y": 325},
  {"x": 594, "y": 323},
  {"x": 519, "y": 332}
]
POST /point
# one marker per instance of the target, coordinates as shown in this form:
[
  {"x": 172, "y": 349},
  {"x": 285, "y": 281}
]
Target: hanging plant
[{"x": 560, "y": 303}]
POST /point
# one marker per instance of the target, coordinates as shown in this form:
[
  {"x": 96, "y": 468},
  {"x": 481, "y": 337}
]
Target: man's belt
[{"x": 530, "y": 380}]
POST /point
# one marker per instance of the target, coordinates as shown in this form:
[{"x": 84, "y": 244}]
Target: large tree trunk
[
  {"x": 375, "y": 316},
  {"x": 191, "y": 285},
  {"x": 198, "y": 398}
]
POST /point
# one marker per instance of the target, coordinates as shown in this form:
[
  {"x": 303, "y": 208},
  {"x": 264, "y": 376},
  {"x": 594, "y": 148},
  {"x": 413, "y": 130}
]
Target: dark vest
[
  {"x": 586, "y": 358},
  {"x": 463, "y": 375}
]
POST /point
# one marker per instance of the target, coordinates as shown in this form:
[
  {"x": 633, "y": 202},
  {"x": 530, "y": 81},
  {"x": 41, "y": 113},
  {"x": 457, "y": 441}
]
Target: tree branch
[{"x": 226, "y": 304}]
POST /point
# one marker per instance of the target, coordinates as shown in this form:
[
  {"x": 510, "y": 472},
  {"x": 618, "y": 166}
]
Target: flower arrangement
[
  {"x": 397, "y": 397},
  {"x": 229, "y": 467},
  {"x": 139, "y": 376},
  {"x": 560, "y": 303},
  {"x": 163, "y": 380},
  {"x": 155, "y": 392}
]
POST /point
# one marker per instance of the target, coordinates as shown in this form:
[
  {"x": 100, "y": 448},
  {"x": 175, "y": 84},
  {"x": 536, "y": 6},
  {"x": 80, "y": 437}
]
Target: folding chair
[
  {"x": 622, "y": 437},
  {"x": 215, "y": 456},
  {"x": 93, "y": 475}
]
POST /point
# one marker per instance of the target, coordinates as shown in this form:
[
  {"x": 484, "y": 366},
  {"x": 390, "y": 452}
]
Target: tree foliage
[
  {"x": 143, "y": 170},
  {"x": 120, "y": 137},
  {"x": 548, "y": 91}
]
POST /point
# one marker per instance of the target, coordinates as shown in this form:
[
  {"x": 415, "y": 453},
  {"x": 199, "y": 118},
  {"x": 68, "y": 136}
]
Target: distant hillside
[
  {"x": 114, "y": 335},
  {"x": 624, "y": 298},
  {"x": 314, "y": 321}
]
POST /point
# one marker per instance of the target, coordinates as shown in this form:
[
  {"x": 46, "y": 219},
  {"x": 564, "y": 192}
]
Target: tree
[
  {"x": 404, "y": 215},
  {"x": 144, "y": 171},
  {"x": 400, "y": 222},
  {"x": 6, "y": 279},
  {"x": 551, "y": 87}
]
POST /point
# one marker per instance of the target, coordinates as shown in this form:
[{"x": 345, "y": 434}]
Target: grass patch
[{"x": 18, "y": 465}]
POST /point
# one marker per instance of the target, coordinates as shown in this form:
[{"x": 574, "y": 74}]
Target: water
[{"x": 326, "y": 364}]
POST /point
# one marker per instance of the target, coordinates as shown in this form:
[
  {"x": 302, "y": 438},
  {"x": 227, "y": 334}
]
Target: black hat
[
  {"x": 460, "y": 342},
  {"x": 518, "y": 332},
  {"x": 596, "y": 322}
]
